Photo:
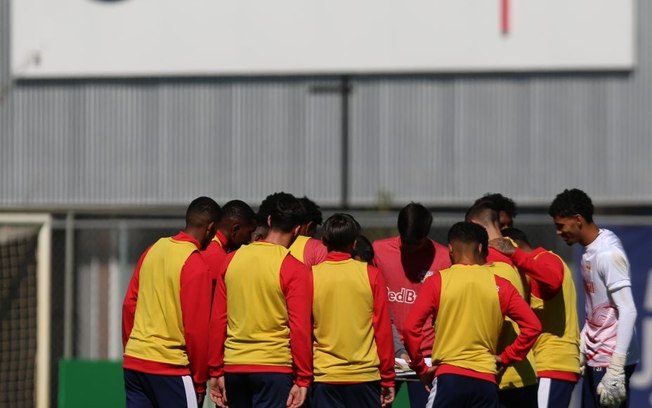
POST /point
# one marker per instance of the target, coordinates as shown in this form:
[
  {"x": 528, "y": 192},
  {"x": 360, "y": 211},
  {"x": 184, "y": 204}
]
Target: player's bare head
[
  {"x": 467, "y": 241},
  {"x": 202, "y": 217},
  {"x": 238, "y": 222},
  {"x": 363, "y": 250},
  {"x": 504, "y": 206},
  {"x": 517, "y": 236},
  {"x": 340, "y": 232},
  {"x": 284, "y": 210},
  {"x": 313, "y": 217},
  {"x": 572, "y": 202},
  {"x": 414, "y": 223},
  {"x": 571, "y": 211},
  {"x": 483, "y": 212}
]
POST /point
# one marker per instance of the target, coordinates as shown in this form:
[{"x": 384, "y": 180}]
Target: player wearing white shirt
[{"x": 606, "y": 339}]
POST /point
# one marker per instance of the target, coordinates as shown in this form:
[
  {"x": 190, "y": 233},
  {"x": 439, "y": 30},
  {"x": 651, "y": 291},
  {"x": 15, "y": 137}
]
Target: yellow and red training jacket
[
  {"x": 261, "y": 315},
  {"x": 165, "y": 313},
  {"x": 351, "y": 329}
]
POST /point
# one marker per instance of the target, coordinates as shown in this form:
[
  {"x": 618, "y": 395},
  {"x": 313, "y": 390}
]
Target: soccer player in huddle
[
  {"x": 234, "y": 230},
  {"x": 165, "y": 316},
  {"x": 406, "y": 261},
  {"x": 468, "y": 303},
  {"x": 607, "y": 344},
  {"x": 353, "y": 350},
  {"x": 261, "y": 332},
  {"x": 554, "y": 300},
  {"x": 518, "y": 382}
]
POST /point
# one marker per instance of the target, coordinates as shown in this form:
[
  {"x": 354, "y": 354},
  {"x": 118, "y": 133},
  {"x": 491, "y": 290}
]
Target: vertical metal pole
[
  {"x": 344, "y": 94},
  {"x": 43, "y": 339},
  {"x": 69, "y": 287}
]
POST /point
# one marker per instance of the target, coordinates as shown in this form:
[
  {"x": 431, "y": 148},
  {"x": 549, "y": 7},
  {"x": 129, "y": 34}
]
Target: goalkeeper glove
[{"x": 612, "y": 386}]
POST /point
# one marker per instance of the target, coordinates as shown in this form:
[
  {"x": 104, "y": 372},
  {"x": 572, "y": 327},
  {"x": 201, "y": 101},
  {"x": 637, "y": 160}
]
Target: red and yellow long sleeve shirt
[
  {"x": 468, "y": 304},
  {"x": 352, "y": 331},
  {"x": 261, "y": 316},
  {"x": 554, "y": 301},
  {"x": 165, "y": 313}
]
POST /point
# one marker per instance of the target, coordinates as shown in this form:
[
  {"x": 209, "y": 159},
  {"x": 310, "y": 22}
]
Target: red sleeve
[
  {"x": 218, "y": 323},
  {"x": 314, "y": 252},
  {"x": 296, "y": 283},
  {"x": 426, "y": 305},
  {"x": 545, "y": 268},
  {"x": 129, "y": 303},
  {"x": 513, "y": 306},
  {"x": 382, "y": 327},
  {"x": 195, "y": 309}
]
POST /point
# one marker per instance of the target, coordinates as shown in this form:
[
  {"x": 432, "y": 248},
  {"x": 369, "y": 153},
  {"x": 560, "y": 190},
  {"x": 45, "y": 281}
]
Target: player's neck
[
  {"x": 279, "y": 238},
  {"x": 590, "y": 233}
]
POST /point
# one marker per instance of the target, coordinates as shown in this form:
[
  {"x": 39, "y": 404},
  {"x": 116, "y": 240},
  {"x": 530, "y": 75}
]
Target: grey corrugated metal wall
[{"x": 438, "y": 139}]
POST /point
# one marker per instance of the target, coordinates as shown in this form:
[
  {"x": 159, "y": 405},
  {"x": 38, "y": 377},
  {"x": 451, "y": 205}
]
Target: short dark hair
[
  {"x": 515, "y": 234},
  {"x": 202, "y": 211},
  {"x": 239, "y": 210},
  {"x": 340, "y": 232},
  {"x": 501, "y": 203},
  {"x": 483, "y": 210},
  {"x": 312, "y": 211},
  {"x": 284, "y": 209},
  {"x": 469, "y": 233},
  {"x": 414, "y": 222},
  {"x": 363, "y": 249},
  {"x": 571, "y": 202}
]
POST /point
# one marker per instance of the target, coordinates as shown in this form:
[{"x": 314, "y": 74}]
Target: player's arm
[
  {"x": 129, "y": 303},
  {"x": 613, "y": 269},
  {"x": 513, "y": 306},
  {"x": 544, "y": 267},
  {"x": 218, "y": 322},
  {"x": 195, "y": 310},
  {"x": 426, "y": 305},
  {"x": 296, "y": 284},
  {"x": 382, "y": 327}
]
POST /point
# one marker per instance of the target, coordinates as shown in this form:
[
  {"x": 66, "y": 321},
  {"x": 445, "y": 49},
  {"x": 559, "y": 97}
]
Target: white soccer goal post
[{"x": 39, "y": 227}]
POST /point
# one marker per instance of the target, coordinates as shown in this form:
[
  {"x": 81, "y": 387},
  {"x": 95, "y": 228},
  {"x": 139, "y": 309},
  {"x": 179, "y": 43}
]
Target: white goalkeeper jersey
[{"x": 605, "y": 269}]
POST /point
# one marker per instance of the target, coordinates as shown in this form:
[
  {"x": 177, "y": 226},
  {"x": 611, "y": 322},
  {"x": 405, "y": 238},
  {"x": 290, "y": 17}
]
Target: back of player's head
[
  {"x": 239, "y": 211},
  {"x": 572, "y": 202},
  {"x": 340, "y": 232},
  {"x": 284, "y": 210},
  {"x": 201, "y": 212},
  {"x": 312, "y": 211},
  {"x": 483, "y": 212},
  {"x": 517, "y": 235},
  {"x": 414, "y": 222},
  {"x": 363, "y": 250},
  {"x": 469, "y": 234},
  {"x": 501, "y": 203}
]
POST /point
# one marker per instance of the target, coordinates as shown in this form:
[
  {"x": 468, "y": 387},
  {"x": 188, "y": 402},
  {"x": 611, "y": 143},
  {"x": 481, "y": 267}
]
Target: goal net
[{"x": 24, "y": 310}]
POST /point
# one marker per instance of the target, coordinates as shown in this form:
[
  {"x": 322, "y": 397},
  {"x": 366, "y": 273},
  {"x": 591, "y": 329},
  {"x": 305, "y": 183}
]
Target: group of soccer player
[{"x": 269, "y": 316}]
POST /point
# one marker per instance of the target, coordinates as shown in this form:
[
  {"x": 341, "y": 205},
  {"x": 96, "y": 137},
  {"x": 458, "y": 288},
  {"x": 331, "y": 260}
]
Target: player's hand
[
  {"x": 386, "y": 396},
  {"x": 297, "y": 396},
  {"x": 504, "y": 245},
  {"x": 612, "y": 386},
  {"x": 218, "y": 391},
  {"x": 500, "y": 366},
  {"x": 427, "y": 377},
  {"x": 406, "y": 357}
]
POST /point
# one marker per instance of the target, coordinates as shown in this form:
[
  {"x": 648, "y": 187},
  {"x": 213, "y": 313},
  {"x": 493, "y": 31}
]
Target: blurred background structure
[{"x": 106, "y": 136}]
